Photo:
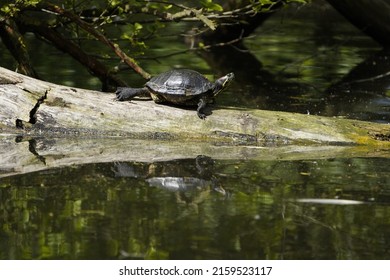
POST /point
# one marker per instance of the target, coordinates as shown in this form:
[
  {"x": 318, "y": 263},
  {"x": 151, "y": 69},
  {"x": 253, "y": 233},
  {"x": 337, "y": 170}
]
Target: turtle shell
[{"x": 180, "y": 82}]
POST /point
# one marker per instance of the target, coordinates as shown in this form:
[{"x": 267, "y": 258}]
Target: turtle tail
[{"x": 127, "y": 93}]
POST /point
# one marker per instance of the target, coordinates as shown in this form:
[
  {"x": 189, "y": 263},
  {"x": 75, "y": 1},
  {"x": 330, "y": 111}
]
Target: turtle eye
[{"x": 227, "y": 80}]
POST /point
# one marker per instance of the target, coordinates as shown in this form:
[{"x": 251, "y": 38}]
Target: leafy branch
[
  {"x": 97, "y": 34},
  {"x": 62, "y": 23}
]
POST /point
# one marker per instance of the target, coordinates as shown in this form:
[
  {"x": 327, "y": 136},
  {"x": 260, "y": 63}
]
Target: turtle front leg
[{"x": 201, "y": 105}]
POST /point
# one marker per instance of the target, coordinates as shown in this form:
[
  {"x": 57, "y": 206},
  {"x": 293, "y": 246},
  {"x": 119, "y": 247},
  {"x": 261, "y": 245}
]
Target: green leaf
[
  {"x": 211, "y": 6},
  {"x": 137, "y": 27}
]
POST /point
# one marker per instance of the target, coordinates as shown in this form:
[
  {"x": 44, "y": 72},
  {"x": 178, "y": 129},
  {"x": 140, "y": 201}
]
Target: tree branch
[
  {"x": 15, "y": 43},
  {"x": 97, "y": 34},
  {"x": 63, "y": 44}
]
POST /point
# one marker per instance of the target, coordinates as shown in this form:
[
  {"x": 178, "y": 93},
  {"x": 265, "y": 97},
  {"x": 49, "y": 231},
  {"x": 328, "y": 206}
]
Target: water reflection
[
  {"x": 192, "y": 179},
  {"x": 268, "y": 210},
  {"x": 306, "y": 65},
  {"x": 361, "y": 94},
  {"x": 366, "y": 87}
]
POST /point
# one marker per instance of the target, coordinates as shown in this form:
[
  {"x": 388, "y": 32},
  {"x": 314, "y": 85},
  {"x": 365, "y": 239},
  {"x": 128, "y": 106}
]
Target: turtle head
[{"x": 222, "y": 83}]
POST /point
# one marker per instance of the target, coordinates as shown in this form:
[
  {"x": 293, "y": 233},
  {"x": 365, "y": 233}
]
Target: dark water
[
  {"x": 205, "y": 209},
  {"x": 306, "y": 60}
]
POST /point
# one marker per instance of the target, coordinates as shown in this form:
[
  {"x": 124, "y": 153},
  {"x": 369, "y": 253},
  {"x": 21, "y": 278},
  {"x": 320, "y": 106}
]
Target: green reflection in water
[{"x": 112, "y": 211}]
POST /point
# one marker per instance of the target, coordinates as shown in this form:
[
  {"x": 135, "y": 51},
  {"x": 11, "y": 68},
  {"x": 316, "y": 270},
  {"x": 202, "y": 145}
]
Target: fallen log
[
  {"x": 31, "y": 107},
  {"x": 44, "y": 125}
]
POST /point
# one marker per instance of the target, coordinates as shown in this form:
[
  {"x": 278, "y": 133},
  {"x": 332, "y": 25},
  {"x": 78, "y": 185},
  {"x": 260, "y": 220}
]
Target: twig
[
  {"x": 195, "y": 14},
  {"x": 223, "y": 44},
  {"x": 370, "y": 79},
  {"x": 207, "y": 47}
]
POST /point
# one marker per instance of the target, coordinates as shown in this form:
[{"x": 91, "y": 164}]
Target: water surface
[{"x": 225, "y": 209}]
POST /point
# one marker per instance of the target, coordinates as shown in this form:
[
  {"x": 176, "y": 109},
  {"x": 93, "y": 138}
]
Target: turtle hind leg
[{"x": 126, "y": 93}]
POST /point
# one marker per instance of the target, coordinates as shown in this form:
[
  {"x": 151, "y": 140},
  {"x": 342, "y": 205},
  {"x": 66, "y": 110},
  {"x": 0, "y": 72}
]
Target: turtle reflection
[{"x": 191, "y": 179}]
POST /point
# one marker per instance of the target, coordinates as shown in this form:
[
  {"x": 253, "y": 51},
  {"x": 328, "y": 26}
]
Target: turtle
[{"x": 183, "y": 87}]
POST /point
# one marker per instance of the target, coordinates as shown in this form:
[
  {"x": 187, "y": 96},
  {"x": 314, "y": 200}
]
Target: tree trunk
[{"x": 16, "y": 44}]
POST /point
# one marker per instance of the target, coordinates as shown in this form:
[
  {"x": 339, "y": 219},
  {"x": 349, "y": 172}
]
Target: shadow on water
[
  {"x": 255, "y": 86},
  {"x": 199, "y": 208},
  {"x": 364, "y": 92},
  {"x": 319, "y": 73}
]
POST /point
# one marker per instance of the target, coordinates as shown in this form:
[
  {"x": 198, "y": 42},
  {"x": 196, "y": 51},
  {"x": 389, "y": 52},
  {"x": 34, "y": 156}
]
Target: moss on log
[{"x": 32, "y": 107}]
